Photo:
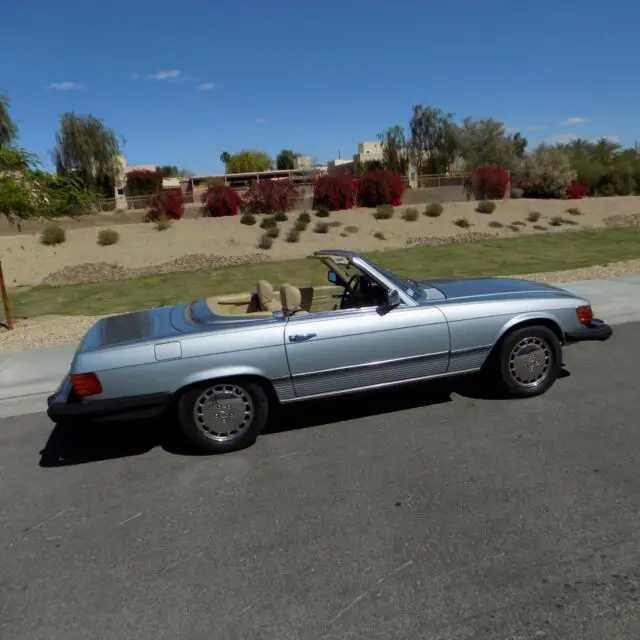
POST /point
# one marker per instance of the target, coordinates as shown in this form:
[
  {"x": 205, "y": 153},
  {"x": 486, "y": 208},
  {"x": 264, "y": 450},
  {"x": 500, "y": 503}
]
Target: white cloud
[
  {"x": 526, "y": 128},
  {"x": 206, "y": 86},
  {"x": 166, "y": 74},
  {"x": 574, "y": 120},
  {"x": 65, "y": 86},
  {"x": 261, "y": 120},
  {"x": 135, "y": 76}
]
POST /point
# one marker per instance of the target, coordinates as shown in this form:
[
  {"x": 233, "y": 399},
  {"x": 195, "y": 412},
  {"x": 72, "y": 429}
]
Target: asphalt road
[{"x": 443, "y": 516}]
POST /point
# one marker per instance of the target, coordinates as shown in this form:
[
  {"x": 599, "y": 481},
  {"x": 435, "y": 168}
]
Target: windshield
[{"x": 408, "y": 286}]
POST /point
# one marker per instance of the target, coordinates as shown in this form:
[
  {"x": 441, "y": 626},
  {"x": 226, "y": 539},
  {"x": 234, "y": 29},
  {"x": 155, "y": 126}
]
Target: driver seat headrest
[{"x": 266, "y": 296}]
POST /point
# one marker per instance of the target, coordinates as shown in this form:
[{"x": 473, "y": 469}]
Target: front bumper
[
  {"x": 62, "y": 406},
  {"x": 596, "y": 330}
]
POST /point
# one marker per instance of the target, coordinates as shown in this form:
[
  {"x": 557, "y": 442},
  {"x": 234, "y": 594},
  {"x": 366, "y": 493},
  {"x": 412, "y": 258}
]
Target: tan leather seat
[
  {"x": 291, "y": 299},
  {"x": 266, "y": 296}
]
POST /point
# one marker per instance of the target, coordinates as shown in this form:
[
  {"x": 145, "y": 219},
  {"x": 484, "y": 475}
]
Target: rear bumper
[
  {"x": 63, "y": 407},
  {"x": 597, "y": 331}
]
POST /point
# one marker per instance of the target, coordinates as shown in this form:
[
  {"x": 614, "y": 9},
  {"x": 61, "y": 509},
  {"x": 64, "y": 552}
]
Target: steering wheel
[{"x": 353, "y": 291}]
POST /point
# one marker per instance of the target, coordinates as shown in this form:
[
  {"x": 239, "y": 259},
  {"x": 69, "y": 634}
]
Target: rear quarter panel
[{"x": 165, "y": 367}]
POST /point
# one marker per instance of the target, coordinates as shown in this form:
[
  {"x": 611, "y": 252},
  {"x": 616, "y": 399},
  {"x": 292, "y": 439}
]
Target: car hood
[{"x": 458, "y": 288}]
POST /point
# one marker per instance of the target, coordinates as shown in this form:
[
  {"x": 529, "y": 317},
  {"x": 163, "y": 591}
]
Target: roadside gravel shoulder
[{"x": 48, "y": 331}]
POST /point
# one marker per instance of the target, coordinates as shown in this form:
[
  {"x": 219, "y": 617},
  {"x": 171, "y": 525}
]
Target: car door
[{"x": 338, "y": 351}]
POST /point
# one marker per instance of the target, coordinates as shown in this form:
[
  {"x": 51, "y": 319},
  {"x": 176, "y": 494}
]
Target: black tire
[
  {"x": 540, "y": 373},
  {"x": 204, "y": 423}
]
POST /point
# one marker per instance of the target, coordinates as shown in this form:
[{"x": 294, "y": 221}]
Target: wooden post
[{"x": 5, "y": 299}]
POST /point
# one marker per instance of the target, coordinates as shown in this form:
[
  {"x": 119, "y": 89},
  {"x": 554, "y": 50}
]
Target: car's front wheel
[
  {"x": 529, "y": 361},
  {"x": 223, "y": 416}
]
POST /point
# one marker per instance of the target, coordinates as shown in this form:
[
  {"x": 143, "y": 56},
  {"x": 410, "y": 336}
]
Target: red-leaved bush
[
  {"x": 335, "y": 192},
  {"x": 379, "y": 187},
  {"x": 576, "y": 191},
  {"x": 167, "y": 203},
  {"x": 488, "y": 183},
  {"x": 270, "y": 196},
  {"x": 220, "y": 200}
]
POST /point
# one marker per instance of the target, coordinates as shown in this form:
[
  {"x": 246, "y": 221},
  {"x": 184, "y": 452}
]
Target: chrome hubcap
[
  {"x": 529, "y": 361},
  {"x": 223, "y": 412}
]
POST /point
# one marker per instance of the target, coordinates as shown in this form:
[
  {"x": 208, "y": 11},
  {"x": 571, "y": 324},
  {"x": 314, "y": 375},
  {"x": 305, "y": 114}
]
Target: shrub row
[{"x": 371, "y": 189}]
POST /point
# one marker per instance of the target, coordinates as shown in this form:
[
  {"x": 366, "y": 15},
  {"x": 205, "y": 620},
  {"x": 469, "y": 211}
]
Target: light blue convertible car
[{"x": 219, "y": 365}]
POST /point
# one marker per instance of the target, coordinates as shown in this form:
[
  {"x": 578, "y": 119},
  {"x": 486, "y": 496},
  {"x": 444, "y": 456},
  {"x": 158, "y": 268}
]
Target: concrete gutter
[{"x": 27, "y": 377}]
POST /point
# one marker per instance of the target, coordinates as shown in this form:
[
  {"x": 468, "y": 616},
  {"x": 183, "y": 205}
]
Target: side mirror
[
  {"x": 332, "y": 277},
  {"x": 393, "y": 299}
]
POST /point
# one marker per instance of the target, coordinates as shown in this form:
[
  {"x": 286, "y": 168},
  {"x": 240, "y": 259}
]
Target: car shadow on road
[{"x": 85, "y": 443}]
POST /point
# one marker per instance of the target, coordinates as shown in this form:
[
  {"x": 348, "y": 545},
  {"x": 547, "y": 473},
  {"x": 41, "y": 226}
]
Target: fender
[
  {"x": 218, "y": 373},
  {"x": 526, "y": 318}
]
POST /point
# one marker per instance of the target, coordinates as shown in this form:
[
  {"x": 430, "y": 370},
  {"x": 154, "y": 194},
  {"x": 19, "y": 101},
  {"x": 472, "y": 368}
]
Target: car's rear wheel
[
  {"x": 529, "y": 361},
  {"x": 223, "y": 416}
]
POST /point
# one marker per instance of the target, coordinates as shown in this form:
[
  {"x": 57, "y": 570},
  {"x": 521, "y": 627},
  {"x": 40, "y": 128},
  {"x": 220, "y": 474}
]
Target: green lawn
[{"x": 508, "y": 256}]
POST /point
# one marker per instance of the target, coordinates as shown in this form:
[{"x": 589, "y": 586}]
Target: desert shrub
[
  {"x": 433, "y": 210},
  {"x": 519, "y": 223},
  {"x": 351, "y": 229},
  {"x": 268, "y": 222},
  {"x": 220, "y": 200},
  {"x": 143, "y": 183},
  {"x": 280, "y": 216},
  {"x": 576, "y": 191},
  {"x": 265, "y": 242},
  {"x": 293, "y": 235},
  {"x": 107, "y": 237},
  {"x": 379, "y": 235},
  {"x": 168, "y": 203},
  {"x": 488, "y": 183},
  {"x": 321, "y": 227},
  {"x": 410, "y": 215},
  {"x": 248, "y": 218},
  {"x": 301, "y": 225},
  {"x": 462, "y": 222},
  {"x": 495, "y": 224},
  {"x": 486, "y": 206},
  {"x": 272, "y": 232},
  {"x": 516, "y": 193},
  {"x": 569, "y": 221},
  {"x": 514, "y": 227},
  {"x": 162, "y": 224},
  {"x": 323, "y": 211},
  {"x": 383, "y": 212},
  {"x": 52, "y": 235},
  {"x": 379, "y": 187},
  {"x": 548, "y": 173},
  {"x": 574, "y": 211},
  {"x": 304, "y": 217},
  {"x": 336, "y": 192},
  {"x": 270, "y": 196},
  {"x": 539, "y": 227},
  {"x": 334, "y": 224},
  {"x": 534, "y": 216},
  {"x": 556, "y": 221}
]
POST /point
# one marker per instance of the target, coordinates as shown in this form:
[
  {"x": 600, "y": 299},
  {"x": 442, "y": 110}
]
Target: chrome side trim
[
  {"x": 472, "y": 349},
  {"x": 381, "y": 385},
  {"x": 378, "y": 363}
]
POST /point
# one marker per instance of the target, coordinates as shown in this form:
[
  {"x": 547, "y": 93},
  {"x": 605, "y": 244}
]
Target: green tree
[
  {"x": 486, "y": 143},
  {"x": 286, "y": 160},
  {"x": 224, "y": 158},
  {"x": 548, "y": 173},
  {"x": 248, "y": 161},
  {"x": 394, "y": 149},
  {"x": 169, "y": 170},
  {"x": 432, "y": 141},
  {"x": 89, "y": 150},
  {"x": 8, "y": 128}
]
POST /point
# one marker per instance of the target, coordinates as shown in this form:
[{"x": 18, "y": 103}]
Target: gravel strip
[{"x": 48, "y": 331}]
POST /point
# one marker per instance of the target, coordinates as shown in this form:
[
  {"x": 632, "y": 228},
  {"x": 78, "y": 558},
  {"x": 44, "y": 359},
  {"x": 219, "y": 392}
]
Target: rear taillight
[
  {"x": 585, "y": 314},
  {"x": 86, "y": 384}
]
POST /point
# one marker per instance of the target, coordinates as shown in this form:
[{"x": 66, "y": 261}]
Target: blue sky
[{"x": 182, "y": 83}]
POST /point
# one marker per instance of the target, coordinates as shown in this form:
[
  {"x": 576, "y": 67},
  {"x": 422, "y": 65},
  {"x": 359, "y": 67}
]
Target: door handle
[{"x": 301, "y": 337}]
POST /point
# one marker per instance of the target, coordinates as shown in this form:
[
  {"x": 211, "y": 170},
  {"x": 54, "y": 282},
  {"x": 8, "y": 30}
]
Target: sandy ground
[{"x": 27, "y": 262}]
